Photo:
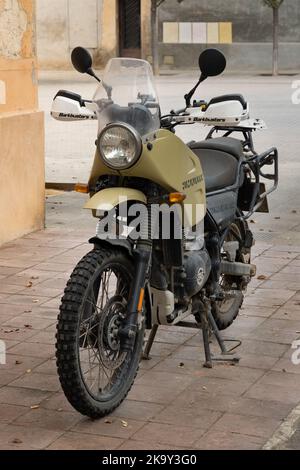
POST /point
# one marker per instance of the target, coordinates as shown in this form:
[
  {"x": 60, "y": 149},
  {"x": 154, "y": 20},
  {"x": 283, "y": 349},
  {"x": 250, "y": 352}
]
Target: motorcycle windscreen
[{"x": 127, "y": 94}]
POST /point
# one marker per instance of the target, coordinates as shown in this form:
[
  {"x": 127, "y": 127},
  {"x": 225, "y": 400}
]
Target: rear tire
[
  {"x": 225, "y": 312},
  {"x": 87, "y": 334},
  {"x": 224, "y": 319}
]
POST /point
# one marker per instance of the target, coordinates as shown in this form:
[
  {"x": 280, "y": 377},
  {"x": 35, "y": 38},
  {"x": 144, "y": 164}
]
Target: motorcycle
[{"x": 172, "y": 245}]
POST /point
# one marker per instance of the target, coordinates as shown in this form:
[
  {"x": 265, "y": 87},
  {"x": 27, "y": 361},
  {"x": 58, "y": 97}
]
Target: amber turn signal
[
  {"x": 141, "y": 300},
  {"x": 82, "y": 188},
  {"x": 176, "y": 198}
]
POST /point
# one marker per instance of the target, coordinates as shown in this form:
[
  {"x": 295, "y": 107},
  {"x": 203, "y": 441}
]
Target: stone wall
[
  {"x": 22, "y": 181},
  {"x": 242, "y": 28},
  {"x": 251, "y": 19},
  {"x": 65, "y": 24},
  {"x": 250, "y": 46}
]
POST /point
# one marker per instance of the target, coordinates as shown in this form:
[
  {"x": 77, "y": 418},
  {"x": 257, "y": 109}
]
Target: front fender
[{"x": 109, "y": 198}]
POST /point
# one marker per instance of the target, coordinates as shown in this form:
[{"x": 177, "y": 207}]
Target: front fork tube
[{"x": 142, "y": 258}]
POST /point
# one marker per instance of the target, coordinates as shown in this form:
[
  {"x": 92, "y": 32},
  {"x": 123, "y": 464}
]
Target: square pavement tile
[
  {"x": 48, "y": 419},
  {"x": 22, "y": 397},
  {"x": 47, "y": 367},
  {"x": 218, "y": 440},
  {"x": 7, "y": 376},
  {"x": 15, "y": 333},
  {"x": 169, "y": 434},
  {"x": 44, "y": 337},
  {"x": 257, "y": 362},
  {"x": 9, "y": 289},
  {"x": 137, "y": 410},
  {"x": 113, "y": 427},
  {"x": 256, "y": 311},
  {"x": 286, "y": 365},
  {"x": 171, "y": 381},
  {"x": 30, "y": 321},
  {"x": 25, "y": 300},
  {"x": 261, "y": 347},
  {"x": 132, "y": 445},
  {"x": 45, "y": 351},
  {"x": 57, "y": 402},
  {"x": 21, "y": 364},
  {"x": 76, "y": 441},
  {"x": 29, "y": 437},
  {"x": 11, "y": 311},
  {"x": 260, "y": 408},
  {"x": 276, "y": 378},
  {"x": 9, "y": 413},
  {"x": 8, "y": 271},
  {"x": 279, "y": 393},
  {"x": 42, "y": 382},
  {"x": 213, "y": 386},
  {"x": 153, "y": 394},
  {"x": 188, "y": 416},
  {"x": 248, "y": 425}
]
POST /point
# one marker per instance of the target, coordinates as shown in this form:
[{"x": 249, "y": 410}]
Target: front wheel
[{"x": 95, "y": 373}]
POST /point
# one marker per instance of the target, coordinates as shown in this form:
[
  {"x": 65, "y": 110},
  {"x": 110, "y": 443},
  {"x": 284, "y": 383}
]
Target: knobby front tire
[{"x": 94, "y": 372}]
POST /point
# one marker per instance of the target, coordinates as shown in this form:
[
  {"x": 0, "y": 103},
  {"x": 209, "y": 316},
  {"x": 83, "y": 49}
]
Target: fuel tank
[{"x": 167, "y": 161}]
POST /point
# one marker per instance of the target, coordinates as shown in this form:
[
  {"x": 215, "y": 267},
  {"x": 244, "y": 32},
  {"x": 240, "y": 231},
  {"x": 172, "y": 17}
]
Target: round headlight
[{"x": 120, "y": 146}]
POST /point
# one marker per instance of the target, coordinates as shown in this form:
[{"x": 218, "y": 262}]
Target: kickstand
[
  {"x": 208, "y": 325},
  {"x": 152, "y": 336}
]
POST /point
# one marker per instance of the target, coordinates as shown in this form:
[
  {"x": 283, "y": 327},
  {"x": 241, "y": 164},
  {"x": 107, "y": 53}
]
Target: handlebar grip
[{"x": 179, "y": 111}]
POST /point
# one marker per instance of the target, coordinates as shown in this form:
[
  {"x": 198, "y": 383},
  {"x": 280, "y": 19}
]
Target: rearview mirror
[
  {"x": 212, "y": 63},
  {"x": 82, "y": 61}
]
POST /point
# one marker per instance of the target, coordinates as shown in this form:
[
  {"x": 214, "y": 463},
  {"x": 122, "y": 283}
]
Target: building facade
[
  {"x": 106, "y": 27},
  {"x": 241, "y": 28},
  {"x": 22, "y": 173}
]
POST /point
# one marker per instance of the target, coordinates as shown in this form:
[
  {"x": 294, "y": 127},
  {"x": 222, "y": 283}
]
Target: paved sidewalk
[{"x": 175, "y": 403}]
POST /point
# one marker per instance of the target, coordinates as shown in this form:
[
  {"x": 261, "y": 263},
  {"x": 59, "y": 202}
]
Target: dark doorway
[{"x": 130, "y": 28}]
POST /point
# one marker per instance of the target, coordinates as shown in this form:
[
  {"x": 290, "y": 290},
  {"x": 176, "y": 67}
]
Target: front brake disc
[{"x": 109, "y": 345}]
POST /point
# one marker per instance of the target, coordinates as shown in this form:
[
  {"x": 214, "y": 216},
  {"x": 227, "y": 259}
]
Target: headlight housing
[{"x": 120, "y": 146}]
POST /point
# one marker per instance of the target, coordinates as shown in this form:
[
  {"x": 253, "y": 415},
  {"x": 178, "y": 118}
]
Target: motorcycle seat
[
  {"x": 225, "y": 144},
  {"x": 220, "y": 161}
]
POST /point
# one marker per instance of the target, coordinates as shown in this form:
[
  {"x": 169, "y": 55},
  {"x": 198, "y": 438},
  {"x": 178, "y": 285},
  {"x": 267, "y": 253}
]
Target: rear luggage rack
[
  {"x": 253, "y": 165},
  {"x": 256, "y": 164}
]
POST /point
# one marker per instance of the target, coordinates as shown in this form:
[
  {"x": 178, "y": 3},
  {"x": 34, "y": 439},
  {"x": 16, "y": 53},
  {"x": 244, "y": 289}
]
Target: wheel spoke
[
  {"x": 102, "y": 313},
  {"x": 98, "y": 374}
]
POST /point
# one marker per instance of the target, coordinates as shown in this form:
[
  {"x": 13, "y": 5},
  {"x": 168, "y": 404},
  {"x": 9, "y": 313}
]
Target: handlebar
[
  {"x": 179, "y": 111},
  {"x": 196, "y": 104}
]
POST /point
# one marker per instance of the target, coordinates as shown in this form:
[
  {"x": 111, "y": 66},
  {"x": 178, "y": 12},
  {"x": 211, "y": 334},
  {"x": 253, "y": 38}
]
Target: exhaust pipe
[{"x": 238, "y": 269}]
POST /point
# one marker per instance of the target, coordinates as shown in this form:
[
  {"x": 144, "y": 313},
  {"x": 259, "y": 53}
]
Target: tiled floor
[{"x": 175, "y": 402}]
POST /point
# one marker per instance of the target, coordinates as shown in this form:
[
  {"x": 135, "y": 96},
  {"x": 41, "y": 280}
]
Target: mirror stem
[
  {"x": 190, "y": 95},
  {"x": 92, "y": 74},
  {"x": 107, "y": 88}
]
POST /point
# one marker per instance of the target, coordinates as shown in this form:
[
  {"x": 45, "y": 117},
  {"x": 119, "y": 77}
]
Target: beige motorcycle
[{"x": 172, "y": 241}]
